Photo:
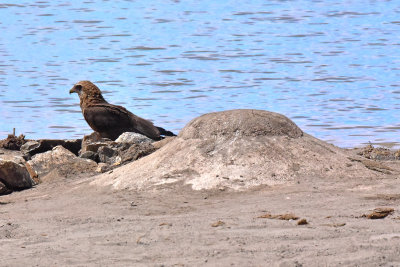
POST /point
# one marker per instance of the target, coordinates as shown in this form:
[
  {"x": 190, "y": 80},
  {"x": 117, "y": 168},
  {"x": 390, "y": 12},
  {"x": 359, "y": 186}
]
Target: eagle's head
[{"x": 87, "y": 91}]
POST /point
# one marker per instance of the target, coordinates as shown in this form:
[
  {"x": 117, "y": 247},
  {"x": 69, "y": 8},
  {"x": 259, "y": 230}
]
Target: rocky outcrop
[
  {"x": 237, "y": 149},
  {"x": 60, "y": 162}
]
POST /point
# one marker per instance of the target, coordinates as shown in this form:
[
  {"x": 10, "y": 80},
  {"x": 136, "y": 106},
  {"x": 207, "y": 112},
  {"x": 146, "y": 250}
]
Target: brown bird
[{"x": 110, "y": 121}]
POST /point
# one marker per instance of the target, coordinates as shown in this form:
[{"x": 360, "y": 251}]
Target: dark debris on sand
[
  {"x": 379, "y": 153},
  {"x": 12, "y": 142}
]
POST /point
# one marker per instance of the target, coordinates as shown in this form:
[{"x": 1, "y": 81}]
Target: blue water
[{"x": 331, "y": 66}]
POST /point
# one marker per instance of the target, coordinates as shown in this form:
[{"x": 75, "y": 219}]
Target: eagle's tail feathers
[{"x": 165, "y": 132}]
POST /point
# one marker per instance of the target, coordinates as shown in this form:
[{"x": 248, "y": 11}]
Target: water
[{"x": 331, "y": 66}]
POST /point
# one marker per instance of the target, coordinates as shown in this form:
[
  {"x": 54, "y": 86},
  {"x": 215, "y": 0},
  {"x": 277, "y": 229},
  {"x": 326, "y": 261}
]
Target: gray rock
[
  {"x": 6, "y": 154},
  {"x": 118, "y": 154},
  {"x": 129, "y": 146},
  {"x": 136, "y": 151},
  {"x": 107, "y": 154},
  {"x": 14, "y": 175},
  {"x": 133, "y": 138},
  {"x": 93, "y": 147},
  {"x": 44, "y": 145},
  {"x": 29, "y": 146},
  {"x": 28, "y": 149},
  {"x": 61, "y": 160},
  {"x": 93, "y": 142},
  {"x": 90, "y": 155}
]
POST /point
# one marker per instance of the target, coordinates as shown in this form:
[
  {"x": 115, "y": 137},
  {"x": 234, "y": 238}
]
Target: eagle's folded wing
[{"x": 111, "y": 121}]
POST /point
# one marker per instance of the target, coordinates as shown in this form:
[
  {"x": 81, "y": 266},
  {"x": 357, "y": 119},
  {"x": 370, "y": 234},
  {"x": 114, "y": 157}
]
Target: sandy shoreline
[
  {"x": 73, "y": 223},
  {"x": 251, "y": 170}
]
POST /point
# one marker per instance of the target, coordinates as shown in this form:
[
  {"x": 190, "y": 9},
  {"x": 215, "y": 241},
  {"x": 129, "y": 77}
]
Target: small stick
[{"x": 14, "y": 131}]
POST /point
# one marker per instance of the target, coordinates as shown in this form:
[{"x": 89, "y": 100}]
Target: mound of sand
[{"x": 237, "y": 149}]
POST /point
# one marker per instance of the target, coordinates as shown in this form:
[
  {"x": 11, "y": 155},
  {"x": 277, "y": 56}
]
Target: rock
[
  {"x": 240, "y": 123},
  {"x": 163, "y": 142},
  {"x": 102, "y": 167},
  {"x": 136, "y": 151},
  {"x": 32, "y": 173},
  {"x": 91, "y": 145},
  {"x": 29, "y": 146},
  {"x": 237, "y": 149},
  {"x": 90, "y": 155},
  {"x": 14, "y": 175},
  {"x": 62, "y": 162},
  {"x": 6, "y": 154},
  {"x": 129, "y": 146},
  {"x": 93, "y": 142},
  {"x": 107, "y": 155},
  {"x": 117, "y": 161},
  {"x": 4, "y": 190},
  {"x": 17, "y": 157},
  {"x": 44, "y": 145},
  {"x": 135, "y": 138}
]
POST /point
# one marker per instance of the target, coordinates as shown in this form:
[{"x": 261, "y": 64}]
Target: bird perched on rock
[{"x": 110, "y": 121}]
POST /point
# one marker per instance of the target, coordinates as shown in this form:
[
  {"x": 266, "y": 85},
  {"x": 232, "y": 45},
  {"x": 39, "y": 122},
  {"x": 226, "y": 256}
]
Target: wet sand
[{"x": 73, "y": 223}]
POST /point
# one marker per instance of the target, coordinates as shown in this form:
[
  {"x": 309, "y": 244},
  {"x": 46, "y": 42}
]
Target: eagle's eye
[{"x": 78, "y": 87}]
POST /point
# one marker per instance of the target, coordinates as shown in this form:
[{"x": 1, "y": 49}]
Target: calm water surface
[{"x": 331, "y": 66}]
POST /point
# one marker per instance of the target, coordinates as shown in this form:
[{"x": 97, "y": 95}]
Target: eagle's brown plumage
[{"x": 110, "y": 121}]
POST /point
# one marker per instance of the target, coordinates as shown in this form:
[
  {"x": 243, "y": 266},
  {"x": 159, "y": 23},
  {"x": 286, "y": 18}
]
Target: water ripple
[{"x": 332, "y": 68}]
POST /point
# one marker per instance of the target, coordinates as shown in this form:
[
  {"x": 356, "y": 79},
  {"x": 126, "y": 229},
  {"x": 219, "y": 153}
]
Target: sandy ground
[{"x": 73, "y": 223}]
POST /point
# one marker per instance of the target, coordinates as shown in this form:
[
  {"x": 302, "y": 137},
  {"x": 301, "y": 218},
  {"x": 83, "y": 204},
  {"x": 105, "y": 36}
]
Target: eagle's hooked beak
[{"x": 76, "y": 89}]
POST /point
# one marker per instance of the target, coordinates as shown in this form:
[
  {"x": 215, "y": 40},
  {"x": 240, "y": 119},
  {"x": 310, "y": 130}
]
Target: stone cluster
[{"x": 44, "y": 160}]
